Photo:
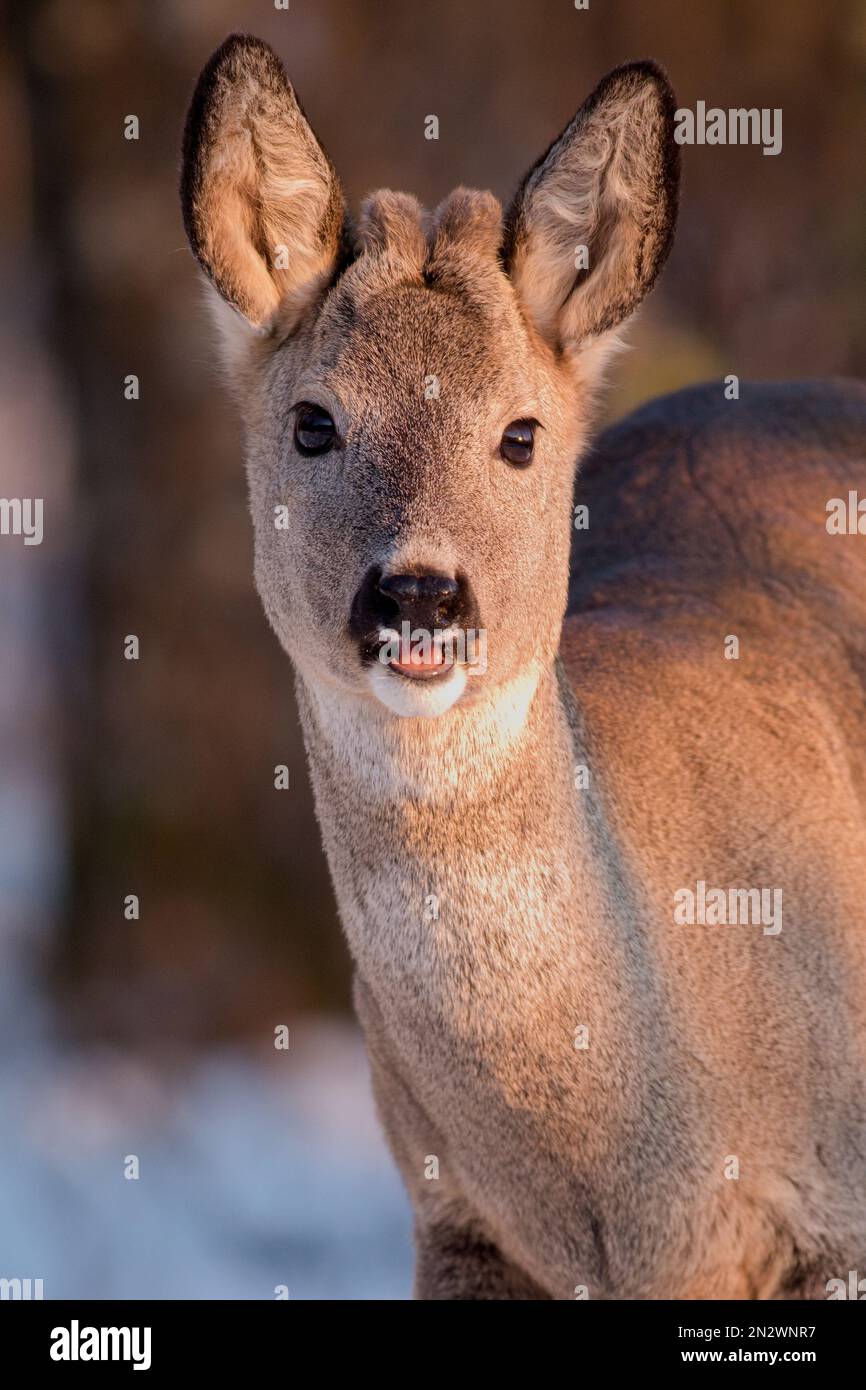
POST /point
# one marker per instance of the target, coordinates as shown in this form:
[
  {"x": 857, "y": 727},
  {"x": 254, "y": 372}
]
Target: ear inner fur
[
  {"x": 262, "y": 205},
  {"x": 609, "y": 182}
]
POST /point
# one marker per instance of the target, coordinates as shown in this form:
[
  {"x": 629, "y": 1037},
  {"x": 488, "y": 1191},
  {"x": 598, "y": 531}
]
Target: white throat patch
[
  {"x": 425, "y": 699},
  {"x": 393, "y": 757}
]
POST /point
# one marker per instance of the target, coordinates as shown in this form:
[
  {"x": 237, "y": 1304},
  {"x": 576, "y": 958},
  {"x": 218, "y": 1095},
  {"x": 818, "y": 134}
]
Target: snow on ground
[{"x": 254, "y": 1172}]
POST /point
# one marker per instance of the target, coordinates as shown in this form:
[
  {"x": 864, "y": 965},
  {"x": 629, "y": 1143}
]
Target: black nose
[{"x": 425, "y": 600}]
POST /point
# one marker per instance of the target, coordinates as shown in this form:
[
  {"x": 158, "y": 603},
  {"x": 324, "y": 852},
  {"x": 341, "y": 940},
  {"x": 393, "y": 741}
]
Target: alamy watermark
[
  {"x": 423, "y": 647},
  {"x": 22, "y": 516},
  {"x": 853, "y": 1288},
  {"x": 77, "y": 1343},
  {"x": 736, "y": 126},
  {"x": 23, "y": 1290},
  {"x": 729, "y": 907},
  {"x": 846, "y": 516}
]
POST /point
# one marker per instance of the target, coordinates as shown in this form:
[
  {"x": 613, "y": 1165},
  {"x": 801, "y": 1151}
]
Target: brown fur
[{"x": 493, "y": 904}]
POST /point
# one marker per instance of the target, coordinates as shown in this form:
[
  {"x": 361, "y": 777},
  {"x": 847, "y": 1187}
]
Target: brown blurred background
[{"x": 156, "y": 777}]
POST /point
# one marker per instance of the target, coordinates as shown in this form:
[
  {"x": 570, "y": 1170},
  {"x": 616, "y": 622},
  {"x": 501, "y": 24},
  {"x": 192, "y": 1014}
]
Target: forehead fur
[
  {"x": 425, "y": 290},
  {"x": 426, "y": 298},
  {"x": 387, "y": 345}
]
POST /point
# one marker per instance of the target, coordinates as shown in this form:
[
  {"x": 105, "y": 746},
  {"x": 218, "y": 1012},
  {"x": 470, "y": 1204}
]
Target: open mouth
[{"x": 430, "y": 661}]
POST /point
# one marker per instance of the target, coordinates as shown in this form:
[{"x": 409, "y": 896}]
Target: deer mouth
[{"x": 428, "y": 661}]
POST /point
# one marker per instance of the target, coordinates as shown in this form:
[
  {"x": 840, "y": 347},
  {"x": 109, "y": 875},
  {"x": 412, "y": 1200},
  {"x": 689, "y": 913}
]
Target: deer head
[{"x": 416, "y": 388}]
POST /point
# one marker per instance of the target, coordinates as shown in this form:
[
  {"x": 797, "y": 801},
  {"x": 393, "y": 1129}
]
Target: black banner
[{"x": 157, "y": 1338}]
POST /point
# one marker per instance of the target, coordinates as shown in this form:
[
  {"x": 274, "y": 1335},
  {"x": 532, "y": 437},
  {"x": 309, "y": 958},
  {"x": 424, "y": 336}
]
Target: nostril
[
  {"x": 387, "y": 602},
  {"x": 421, "y": 597},
  {"x": 399, "y": 588},
  {"x": 418, "y": 588},
  {"x": 445, "y": 589}
]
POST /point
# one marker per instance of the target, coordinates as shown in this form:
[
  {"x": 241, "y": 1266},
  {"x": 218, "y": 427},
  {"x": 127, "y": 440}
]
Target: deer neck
[{"x": 455, "y": 844}]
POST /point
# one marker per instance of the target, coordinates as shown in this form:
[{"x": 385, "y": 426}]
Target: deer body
[{"x": 585, "y": 1097}]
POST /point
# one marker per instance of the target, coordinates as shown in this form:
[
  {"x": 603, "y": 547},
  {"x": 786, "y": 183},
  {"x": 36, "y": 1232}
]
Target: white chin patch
[{"x": 417, "y": 699}]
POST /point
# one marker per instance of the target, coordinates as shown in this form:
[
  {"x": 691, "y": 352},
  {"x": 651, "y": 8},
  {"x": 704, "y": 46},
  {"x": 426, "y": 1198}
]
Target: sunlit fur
[{"x": 505, "y": 850}]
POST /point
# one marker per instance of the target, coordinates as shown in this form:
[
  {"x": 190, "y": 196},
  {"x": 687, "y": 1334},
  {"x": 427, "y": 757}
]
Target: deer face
[
  {"x": 416, "y": 443},
  {"x": 416, "y": 390}
]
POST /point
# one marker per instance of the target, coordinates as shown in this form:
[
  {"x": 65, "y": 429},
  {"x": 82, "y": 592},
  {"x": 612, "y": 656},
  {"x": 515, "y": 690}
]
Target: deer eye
[
  {"x": 518, "y": 440},
  {"x": 315, "y": 431}
]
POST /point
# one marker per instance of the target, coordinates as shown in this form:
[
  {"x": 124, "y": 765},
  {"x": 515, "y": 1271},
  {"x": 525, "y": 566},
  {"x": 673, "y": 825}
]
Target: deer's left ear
[{"x": 592, "y": 224}]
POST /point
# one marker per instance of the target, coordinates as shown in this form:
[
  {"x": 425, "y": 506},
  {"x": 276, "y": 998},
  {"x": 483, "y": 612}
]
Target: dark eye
[
  {"x": 518, "y": 440},
  {"x": 315, "y": 431}
]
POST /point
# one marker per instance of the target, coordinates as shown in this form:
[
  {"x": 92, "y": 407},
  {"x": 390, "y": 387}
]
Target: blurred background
[{"x": 154, "y": 1036}]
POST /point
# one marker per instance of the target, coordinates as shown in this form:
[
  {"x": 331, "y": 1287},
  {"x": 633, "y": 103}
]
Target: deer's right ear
[{"x": 262, "y": 206}]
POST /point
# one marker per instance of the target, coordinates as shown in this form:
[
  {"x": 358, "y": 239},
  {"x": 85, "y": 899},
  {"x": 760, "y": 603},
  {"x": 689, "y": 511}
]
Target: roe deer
[{"x": 605, "y": 1067}]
